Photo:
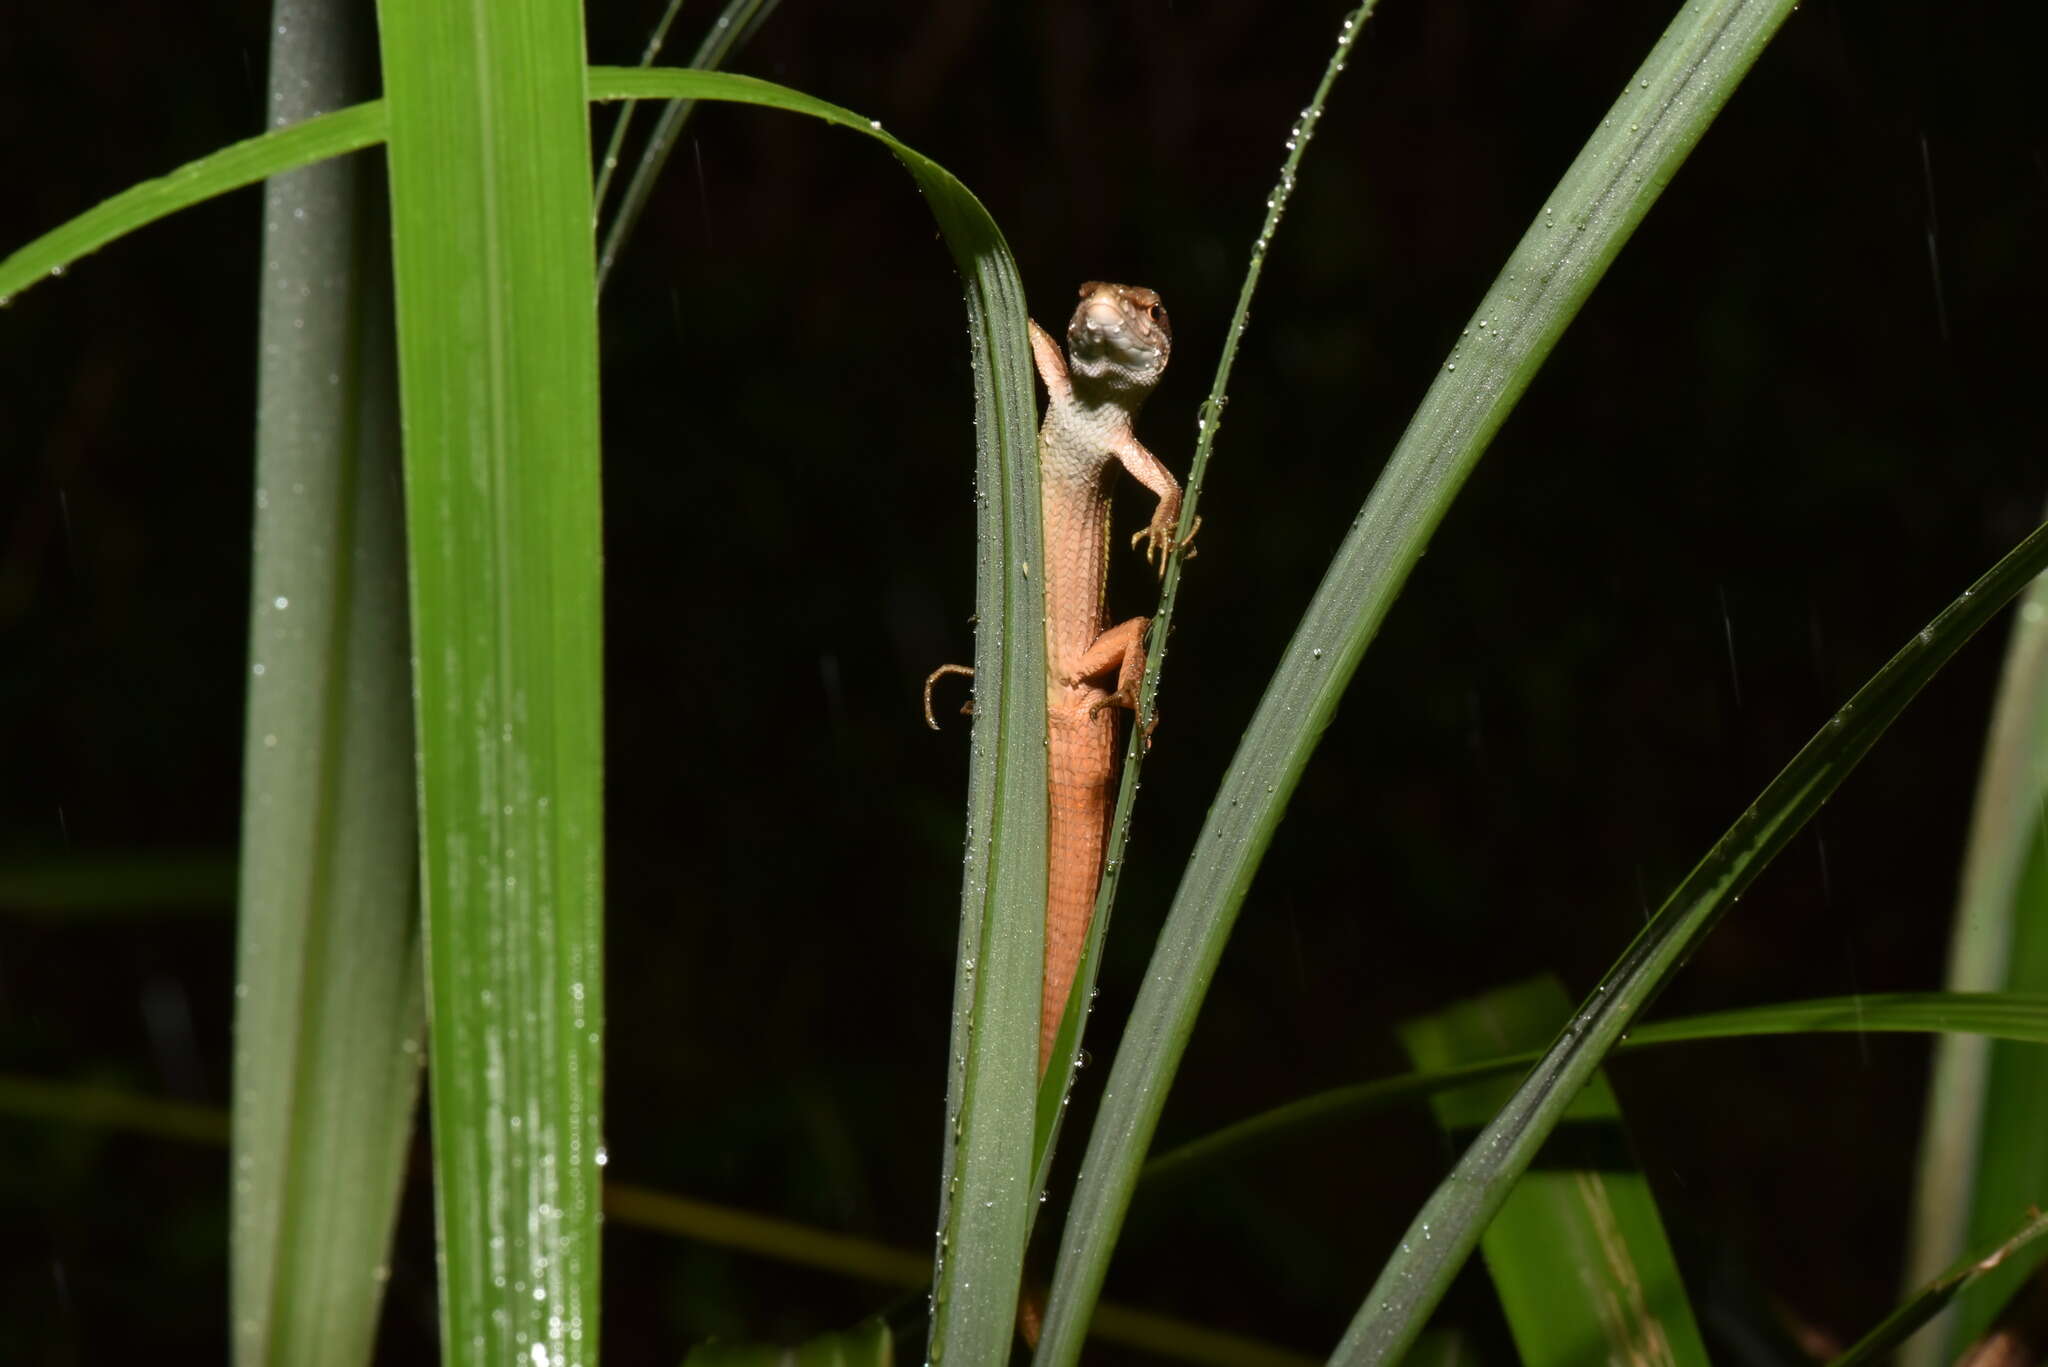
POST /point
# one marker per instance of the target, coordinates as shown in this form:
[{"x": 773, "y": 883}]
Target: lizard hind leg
[{"x": 1120, "y": 649}]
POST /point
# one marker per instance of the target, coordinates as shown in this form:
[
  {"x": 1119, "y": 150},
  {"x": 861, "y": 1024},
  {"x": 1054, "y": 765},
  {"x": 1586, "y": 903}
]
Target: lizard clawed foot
[
  {"x": 1159, "y": 544},
  {"x": 1123, "y": 697},
  {"x": 966, "y": 708}
]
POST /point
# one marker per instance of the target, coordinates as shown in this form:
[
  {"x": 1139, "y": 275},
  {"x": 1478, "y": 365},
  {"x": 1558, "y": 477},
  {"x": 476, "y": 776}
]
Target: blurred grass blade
[
  {"x": 1443, "y": 1348},
  {"x": 1416, "y": 1277},
  {"x": 93, "y": 1106},
  {"x": 1995, "y": 1015},
  {"x": 497, "y": 346},
  {"x": 1577, "y": 1254},
  {"x": 736, "y": 23},
  {"x": 2013, "y": 1016},
  {"x": 328, "y": 1010},
  {"x": 985, "y": 1191},
  {"x": 1984, "y": 1139},
  {"x": 1970, "y": 1276},
  {"x": 869, "y": 1344},
  {"x": 67, "y": 886},
  {"x": 1662, "y": 113}
]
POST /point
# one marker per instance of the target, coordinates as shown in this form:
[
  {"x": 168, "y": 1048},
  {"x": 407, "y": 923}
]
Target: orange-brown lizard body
[{"x": 1118, "y": 343}]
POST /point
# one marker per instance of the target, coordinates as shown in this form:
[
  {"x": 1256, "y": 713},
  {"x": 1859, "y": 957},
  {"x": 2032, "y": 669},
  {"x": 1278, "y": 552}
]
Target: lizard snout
[{"x": 1105, "y": 315}]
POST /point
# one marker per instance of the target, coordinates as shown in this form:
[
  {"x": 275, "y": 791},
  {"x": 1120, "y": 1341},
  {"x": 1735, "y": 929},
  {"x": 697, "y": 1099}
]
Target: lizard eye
[{"x": 1156, "y": 312}]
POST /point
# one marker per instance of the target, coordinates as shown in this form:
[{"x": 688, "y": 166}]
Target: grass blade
[
  {"x": 1647, "y": 135},
  {"x": 497, "y": 344},
  {"x": 1999, "y": 1015},
  {"x": 1577, "y": 1254},
  {"x": 987, "y": 1196},
  {"x": 609, "y": 162},
  {"x": 1984, "y": 1141},
  {"x": 736, "y": 23},
  {"x": 329, "y": 1005}
]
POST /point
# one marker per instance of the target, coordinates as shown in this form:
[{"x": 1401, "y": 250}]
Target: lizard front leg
[
  {"x": 1052, "y": 367},
  {"x": 1150, "y": 471}
]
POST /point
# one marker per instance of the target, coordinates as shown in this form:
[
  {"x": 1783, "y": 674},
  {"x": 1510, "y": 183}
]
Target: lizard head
[{"x": 1119, "y": 339}]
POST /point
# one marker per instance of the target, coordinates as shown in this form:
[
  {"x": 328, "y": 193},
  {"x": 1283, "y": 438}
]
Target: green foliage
[{"x": 491, "y": 221}]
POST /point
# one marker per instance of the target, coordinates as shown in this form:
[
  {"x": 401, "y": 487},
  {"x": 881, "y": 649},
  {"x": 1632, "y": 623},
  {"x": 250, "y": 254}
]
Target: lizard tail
[{"x": 1079, "y": 793}]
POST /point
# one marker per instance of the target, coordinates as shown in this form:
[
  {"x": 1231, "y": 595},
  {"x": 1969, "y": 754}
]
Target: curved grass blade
[
  {"x": 1964, "y": 1278},
  {"x": 236, "y": 165},
  {"x": 1984, "y": 1137},
  {"x": 1577, "y": 1255},
  {"x": 329, "y": 1005},
  {"x": 1450, "y": 1221},
  {"x": 986, "y": 1192},
  {"x": 1646, "y": 136}
]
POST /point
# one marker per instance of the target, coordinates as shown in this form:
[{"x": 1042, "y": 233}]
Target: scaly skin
[{"x": 1118, "y": 344}]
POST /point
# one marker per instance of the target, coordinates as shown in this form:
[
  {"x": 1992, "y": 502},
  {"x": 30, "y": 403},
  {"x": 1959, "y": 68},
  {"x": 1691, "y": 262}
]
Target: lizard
[{"x": 1118, "y": 343}]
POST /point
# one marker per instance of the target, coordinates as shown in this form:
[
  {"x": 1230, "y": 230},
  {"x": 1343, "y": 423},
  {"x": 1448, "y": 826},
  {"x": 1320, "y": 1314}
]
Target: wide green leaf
[
  {"x": 1577, "y": 1254},
  {"x": 489, "y": 156}
]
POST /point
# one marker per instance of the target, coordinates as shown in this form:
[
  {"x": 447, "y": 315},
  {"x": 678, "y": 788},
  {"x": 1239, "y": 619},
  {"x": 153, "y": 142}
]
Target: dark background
[{"x": 1799, "y": 416}]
